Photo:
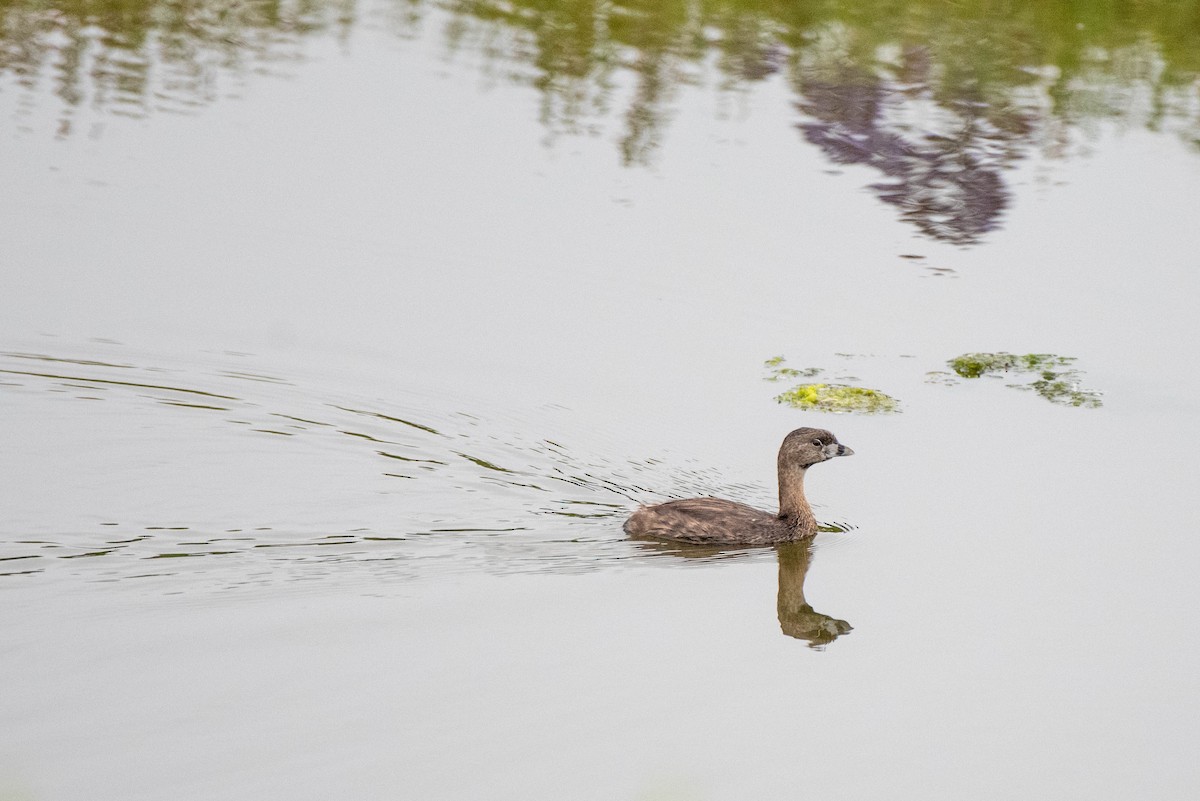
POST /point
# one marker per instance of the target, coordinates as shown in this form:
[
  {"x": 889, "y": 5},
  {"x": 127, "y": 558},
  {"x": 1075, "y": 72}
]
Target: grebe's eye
[{"x": 817, "y": 442}]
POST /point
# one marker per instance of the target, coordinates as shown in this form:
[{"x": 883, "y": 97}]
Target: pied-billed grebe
[{"x": 717, "y": 521}]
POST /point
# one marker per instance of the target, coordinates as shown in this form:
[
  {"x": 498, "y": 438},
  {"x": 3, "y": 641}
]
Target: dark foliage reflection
[{"x": 949, "y": 186}]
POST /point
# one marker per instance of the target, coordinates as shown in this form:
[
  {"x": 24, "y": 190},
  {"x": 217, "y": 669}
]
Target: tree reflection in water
[
  {"x": 947, "y": 185},
  {"x": 938, "y": 98}
]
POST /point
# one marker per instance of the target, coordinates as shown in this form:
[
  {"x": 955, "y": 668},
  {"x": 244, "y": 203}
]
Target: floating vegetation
[
  {"x": 777, "y": 372},
  {"x": 974, "y": 365},
  {"x": 941, "y": 377},
  {"x": 1064, "y": 389},
  {"x": 827, "y": 396},
  {"x": 838, "y": 398},
  {"x": 1057, "y": 380},
  {"x": 1051, "y": 376}
]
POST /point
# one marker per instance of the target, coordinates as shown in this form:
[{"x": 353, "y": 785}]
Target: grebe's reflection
[{"x": 796, "y": 617}]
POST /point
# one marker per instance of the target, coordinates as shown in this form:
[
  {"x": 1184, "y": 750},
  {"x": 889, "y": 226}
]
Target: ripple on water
[{"x": 475, "y": 496}]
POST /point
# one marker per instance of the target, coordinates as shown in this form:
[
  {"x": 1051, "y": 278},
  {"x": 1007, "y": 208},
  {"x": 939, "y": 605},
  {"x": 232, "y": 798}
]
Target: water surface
[{"x": 336, "y": 341}]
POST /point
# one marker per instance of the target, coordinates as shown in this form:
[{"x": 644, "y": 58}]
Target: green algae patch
[
  {"x": 827, "y": 396},
  {"x": 974, "y": 365},
  {"x": 776, "y": 371},
  {"x": 1064, "y": 390},
  {"x": 838, "y": 398},
  {"x": 1056, "y": 379}
]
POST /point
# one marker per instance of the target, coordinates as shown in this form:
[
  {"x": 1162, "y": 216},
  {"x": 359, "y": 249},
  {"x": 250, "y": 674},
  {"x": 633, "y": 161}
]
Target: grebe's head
[{"x": 805, "y": 447}]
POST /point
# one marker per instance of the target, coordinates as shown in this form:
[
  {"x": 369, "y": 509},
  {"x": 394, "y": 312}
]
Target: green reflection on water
[
  {"x": 938, "y": 98},
  {"x": 134, "y": 57}
]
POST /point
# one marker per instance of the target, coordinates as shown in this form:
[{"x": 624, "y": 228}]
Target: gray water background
[{"x": 325, "y": 388}]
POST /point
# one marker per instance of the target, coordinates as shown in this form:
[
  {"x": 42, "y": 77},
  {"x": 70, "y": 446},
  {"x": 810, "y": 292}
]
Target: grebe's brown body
[{"x": 715, "y": 521}]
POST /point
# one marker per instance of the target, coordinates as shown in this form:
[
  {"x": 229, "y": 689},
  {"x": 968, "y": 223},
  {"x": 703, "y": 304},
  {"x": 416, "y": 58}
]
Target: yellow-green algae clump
[
  {"x": 826, "y": 396},
  {"x": 838, "y": 398},
  {"x": 1057, "y": 381}
]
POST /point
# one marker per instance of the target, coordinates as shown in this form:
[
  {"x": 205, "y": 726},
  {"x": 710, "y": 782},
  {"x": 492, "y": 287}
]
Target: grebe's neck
[{"x": 793, "y": 506}]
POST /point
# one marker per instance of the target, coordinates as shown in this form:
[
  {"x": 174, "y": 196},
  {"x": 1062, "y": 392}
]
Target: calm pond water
[{"x": 338, "y": 339}]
